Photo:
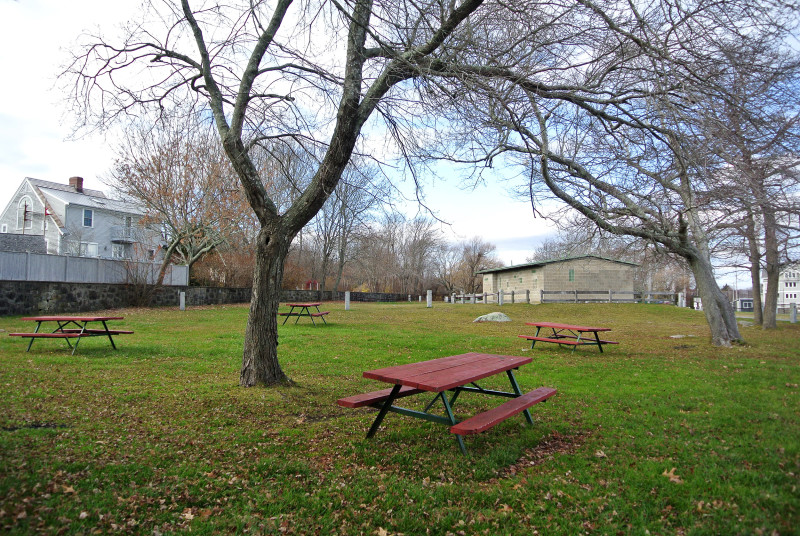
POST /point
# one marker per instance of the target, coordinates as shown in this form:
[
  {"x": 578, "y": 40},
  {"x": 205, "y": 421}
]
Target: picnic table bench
[
  {"x": 304, "y": 309},
  {"x": 567, "y": 334},
  {"x": 455, "y": 374},
  {"x": 63, "y": 331}
]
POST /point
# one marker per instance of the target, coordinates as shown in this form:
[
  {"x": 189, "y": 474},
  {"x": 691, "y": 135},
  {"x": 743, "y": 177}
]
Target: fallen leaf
[
  {"x": 672, "y": 476},
  {"x": 600, "y": 454},
  {"x": 382, "y": 532}
]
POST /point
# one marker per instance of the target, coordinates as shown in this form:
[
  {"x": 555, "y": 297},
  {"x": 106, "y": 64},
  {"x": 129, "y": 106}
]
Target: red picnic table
[
  {"x": 457, "y": 374},
  {"x": 304, "y": 310},
  {"x": 72, "y": 327},
  {"x": 568, "y": 334}
]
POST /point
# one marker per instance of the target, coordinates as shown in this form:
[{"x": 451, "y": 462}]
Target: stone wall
[{"x": 37, "y": 297}]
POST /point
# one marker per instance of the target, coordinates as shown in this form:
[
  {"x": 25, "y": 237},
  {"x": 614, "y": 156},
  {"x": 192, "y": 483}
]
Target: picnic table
[
  {"x": 454, "y": 374},
  {"x": 567, "y": 334},
  {"x": 304, "y": 309},
  {"x": 72, "y": 327}
]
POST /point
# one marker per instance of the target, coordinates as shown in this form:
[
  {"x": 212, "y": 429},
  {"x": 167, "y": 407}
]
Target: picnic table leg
[
  {"x": 533, "y": 342},
  {"x": 60, "y": 328},
  {"x": 577, "y": 341},
  {"x": 322, "y": 317},
  {"x": 83, "y": 328},
  {"x": 114, "y": 346},
  {"x": 38, "y": 325},
  {"x": 518, "y": 392},
  {"x": 599, "y": 344},
  {"x": 384, "y": 410},
  {"x": 311, "y": 316},
  {"x": 454, "y": 422}
]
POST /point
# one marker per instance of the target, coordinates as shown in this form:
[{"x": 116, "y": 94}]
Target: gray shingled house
[
  {"x": 73, "y": 220},
  {"x": 585, "y": 272}
]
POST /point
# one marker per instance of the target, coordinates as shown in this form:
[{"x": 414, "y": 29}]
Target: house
[
  {"x": 788, "y": 288},
  {"x": 77, "y": 221},
  {"x": 585, "y": 272}
]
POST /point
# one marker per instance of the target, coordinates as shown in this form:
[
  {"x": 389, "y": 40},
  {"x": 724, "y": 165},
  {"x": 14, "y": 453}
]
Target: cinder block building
[{"x": 586, "y": 272}]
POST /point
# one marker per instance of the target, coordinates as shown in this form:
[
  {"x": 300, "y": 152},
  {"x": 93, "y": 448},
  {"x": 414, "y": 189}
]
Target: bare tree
[
  {"x": 753, "y": 128},
  {"x": 595, "y": 108},
  {"x": 263, "y": 73},
  {"x": 179, "y": 174},
  {"x": 476, "y": 254}
]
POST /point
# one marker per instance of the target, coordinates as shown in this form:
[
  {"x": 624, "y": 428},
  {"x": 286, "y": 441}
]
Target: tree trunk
[
  {"x": 773, "y": 268},
  {"x": 260, "y": 364},
  {"x": 719, "y": 313},
  {"x": 754, "y": 254}
]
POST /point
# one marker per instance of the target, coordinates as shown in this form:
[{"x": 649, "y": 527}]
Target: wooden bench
[
  {"x": 565, "y": 339},
  {"x": 46, "y": 335},
  {"x": 370, "y": 399},
  {"x": 91, "y": 332},
  {"x": 487, "y": 419}
]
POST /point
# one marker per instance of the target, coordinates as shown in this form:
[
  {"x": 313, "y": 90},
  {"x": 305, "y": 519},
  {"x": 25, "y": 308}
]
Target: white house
[
  {"x": 78, "y": 221},
  {"x": 788, "y": 288}
]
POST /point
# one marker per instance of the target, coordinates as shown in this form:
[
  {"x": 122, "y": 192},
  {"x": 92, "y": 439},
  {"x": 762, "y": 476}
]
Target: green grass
[{"x": 656, "y": 435}]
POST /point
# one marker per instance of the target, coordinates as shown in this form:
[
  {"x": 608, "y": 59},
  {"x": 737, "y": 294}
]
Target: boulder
[{"x": 493, "y": 317}]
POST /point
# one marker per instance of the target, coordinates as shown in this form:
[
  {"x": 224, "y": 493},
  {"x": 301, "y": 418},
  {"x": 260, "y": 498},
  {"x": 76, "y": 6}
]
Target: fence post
[
  {"x": 347, "y": 300},
  {"x": 541, "y": 295},
  {"x": 500, "y": 296},
  {"x": 527, "y": 296},
  {"x": 430, "y": 299},
  {"x": 793, "y": 313},
  {"x": 472, "y": 299},
  {"x": 576, "y": 295},
  {"x": 512, "y": 296},
  {"x": 610, "y": 296},
  {"x": 182, "y": 301}
]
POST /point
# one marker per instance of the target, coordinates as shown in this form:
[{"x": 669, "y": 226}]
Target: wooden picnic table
[
  {"x": 72, "y": 327},
  {"x": 568, "y": 334},
  {"x": 455, "y": 374},
  {"x": 304, "y": 309}
]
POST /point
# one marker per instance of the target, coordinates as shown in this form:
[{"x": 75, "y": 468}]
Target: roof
[
  {"x": 87, "y": 198},
  {"x": 552, "y": 261}
]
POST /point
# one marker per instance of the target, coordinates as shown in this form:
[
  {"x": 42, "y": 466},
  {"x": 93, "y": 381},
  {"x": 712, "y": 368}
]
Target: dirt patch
[{"x": 551, "y": 445}]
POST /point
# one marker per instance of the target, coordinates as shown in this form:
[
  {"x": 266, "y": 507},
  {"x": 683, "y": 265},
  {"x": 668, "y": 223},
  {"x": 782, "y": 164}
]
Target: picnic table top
[
  {"x": 315, "y": 304},
  {"x": 72, "y": 318},
  {"x": 445, "y": 373},
  {"x": 556, "y": 325}
]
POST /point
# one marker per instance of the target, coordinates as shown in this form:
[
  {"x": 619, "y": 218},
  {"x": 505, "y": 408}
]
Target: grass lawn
[{"x": 657, "y": 435}]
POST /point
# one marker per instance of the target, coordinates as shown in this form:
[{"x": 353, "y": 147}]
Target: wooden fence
[
  {"x": 16, "y": 266},
  {"x": 567, "y": 296}
]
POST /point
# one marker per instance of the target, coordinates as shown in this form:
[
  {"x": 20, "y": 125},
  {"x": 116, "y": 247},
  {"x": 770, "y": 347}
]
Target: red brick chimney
[{"x": 77, "y": 183}]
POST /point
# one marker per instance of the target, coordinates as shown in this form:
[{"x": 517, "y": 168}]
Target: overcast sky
[{"x": 34, "y": 132}]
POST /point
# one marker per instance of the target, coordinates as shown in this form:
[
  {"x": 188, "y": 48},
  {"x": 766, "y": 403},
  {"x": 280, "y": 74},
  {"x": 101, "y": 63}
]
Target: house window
[
  {"x": 87, "y": 217},
  {"x": 4, "y": 228},
  {"x": 118, "y": 251},
  {"x": 89, "y": 249},
  {"x": 25, "y": 213},
  {"x": 571, "y": 274}
]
